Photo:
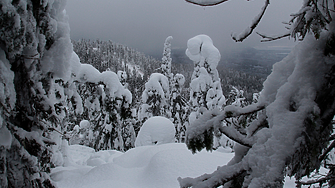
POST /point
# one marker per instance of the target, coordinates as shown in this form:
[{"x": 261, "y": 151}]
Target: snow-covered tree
[
  {"x": 36, "y": 66},
  {"x": 155, "y": 97},
  {"x": 205, "y": 87},
  {"x": 166, "y": 60},
  {"x": 107, "y": 107},
  {"x": 178, "y": 107},
  {"x": 291, "y": 135},
  {"x": 123, "y": 78}
]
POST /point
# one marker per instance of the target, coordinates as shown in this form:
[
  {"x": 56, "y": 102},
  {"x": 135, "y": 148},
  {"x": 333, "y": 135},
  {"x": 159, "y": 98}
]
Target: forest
[{"x": 60, "y": 96}]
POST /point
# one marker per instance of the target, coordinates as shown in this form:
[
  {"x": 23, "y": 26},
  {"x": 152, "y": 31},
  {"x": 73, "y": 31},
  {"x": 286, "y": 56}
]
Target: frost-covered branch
[
  {"x": 250, "y": 29},
  {"x": 206, "y": 2}
]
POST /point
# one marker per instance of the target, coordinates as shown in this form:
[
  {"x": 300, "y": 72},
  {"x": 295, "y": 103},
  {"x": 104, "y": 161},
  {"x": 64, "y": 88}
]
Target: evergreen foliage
[{"x": 292, "y": 131}]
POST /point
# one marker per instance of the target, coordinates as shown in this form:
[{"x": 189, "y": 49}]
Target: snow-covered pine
[
  {"x": 36, "y": 54},
  {"x": 166, "y": 60},
  {"x": 292, "y": 136},
  {"x": 178, "y": 107},
  {"x": 205, "y": 87},
  {"x": 155, "y": 97},
  {"x": 123, "y": 78},
  {"x": 107, "y": 107}
]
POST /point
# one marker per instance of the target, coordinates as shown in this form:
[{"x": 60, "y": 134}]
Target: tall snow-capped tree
[
  {"x": 292, "y": 135},
  {"x": 205, "y": 87},
  {"x": 35, "y": 63},
  {"x": 177, "y": 108},
  {"x": 166, "y": 60}
]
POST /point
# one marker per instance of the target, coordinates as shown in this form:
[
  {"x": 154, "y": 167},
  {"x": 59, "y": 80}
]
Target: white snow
[
  {"x": 5, "y": 136},
  {"x": 201, "y": 49},
  {"x": 88, "y": 73},
  {"x": 132, "y": 67},
  {"x": 156, "y": 130},
  {"x": 147, "y": 166},
  {"x": 84, "y": 124},
  {"x": 7, "y": 90},
  {"x": 158, "y": 83},
  {"x": 58, "y": 58},
  {"x": 179, "y": 79}
]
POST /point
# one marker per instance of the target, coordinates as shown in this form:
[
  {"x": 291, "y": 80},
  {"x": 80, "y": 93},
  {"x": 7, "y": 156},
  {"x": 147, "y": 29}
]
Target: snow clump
[{"x": 156, "y": 130}]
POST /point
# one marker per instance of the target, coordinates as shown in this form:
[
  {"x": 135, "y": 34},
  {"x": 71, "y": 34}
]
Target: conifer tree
[
  {"x": 292, "y": 134},
  {"x": 155, "y": 97},
  {"x": 36, "y": 65},
  {"x": 166, "y": 60}
]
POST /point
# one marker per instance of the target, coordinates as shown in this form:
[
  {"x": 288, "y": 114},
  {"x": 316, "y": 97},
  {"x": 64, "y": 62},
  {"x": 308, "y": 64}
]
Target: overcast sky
[{"x": 144, "y": 24}]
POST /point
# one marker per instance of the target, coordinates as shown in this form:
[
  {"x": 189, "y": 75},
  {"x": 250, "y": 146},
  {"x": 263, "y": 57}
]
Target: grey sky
[{"x": 144, "y": 24}]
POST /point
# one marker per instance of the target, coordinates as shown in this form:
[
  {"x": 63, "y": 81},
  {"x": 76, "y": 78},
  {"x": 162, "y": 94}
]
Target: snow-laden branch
[
  {"x": 206, "y": 2},
  {"x": 249, "y": 30},
  {"x": 325, "y": 153},
  {"x": 317, "y": 181},
  {"x": 236, "y": 136},
  {"x": 219, "y": 177},
  {"x": 198, "y": 131}
]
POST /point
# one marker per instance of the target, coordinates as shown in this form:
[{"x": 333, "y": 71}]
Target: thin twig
[{"x": 268, "y": 38}]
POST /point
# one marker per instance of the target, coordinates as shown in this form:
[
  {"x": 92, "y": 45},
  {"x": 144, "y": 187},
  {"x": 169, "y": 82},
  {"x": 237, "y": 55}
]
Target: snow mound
[
  {"x": 156, "y": 130},
  {"x": 147, "y": 166}
]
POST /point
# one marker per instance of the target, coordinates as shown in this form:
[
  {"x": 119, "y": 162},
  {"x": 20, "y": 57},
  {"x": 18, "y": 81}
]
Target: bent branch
[
  {"x": 250, "y": 29},
  {"x": 206, "y": 2}
]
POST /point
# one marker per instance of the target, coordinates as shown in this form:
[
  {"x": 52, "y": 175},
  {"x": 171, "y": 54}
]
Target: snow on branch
[
  {"x": 326, "y": 152},
  {"x": 198, "y": 131},
  {"x": 221, "y": 176},
  {"x": 249, "y": 30},
  {"x": 236, "y": 136},
  {"x": 206, "y": 2},
  {"x": 317, "y": 181}
]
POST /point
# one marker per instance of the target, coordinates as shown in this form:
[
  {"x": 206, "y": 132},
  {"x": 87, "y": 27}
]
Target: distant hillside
[
  {"x": 253, "y": 61},
  {"x": 245, "y": 68}
]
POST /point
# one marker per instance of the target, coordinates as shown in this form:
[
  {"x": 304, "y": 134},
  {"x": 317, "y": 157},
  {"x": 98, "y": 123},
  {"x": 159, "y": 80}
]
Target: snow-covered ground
[{"x": 141, "y": 167}]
